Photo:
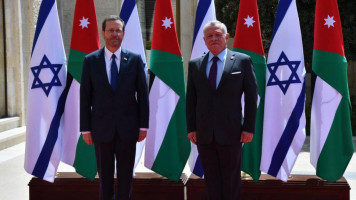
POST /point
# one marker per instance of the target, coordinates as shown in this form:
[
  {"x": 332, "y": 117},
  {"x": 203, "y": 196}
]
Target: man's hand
[
  {"x": 142, "y": 135},
  {"x": 192, "y": 136},
  {"x": 87, "y": 137},
  {"x": 246, "y": 137}
]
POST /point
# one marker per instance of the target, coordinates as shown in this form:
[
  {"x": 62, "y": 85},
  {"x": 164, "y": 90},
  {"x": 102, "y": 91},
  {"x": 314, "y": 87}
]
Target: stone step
[
  {"x": 9, "y": 123},
  {"x": 12, "y": 137}
]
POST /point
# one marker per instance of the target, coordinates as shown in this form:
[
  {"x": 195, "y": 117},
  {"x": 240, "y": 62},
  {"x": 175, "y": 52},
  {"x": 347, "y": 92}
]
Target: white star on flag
[
  {"x": 329, "y": 21},
  {"x": 167, "y": 22},
  {"x": 249, "y": 21},
  {"x": 84, "y": 22}
]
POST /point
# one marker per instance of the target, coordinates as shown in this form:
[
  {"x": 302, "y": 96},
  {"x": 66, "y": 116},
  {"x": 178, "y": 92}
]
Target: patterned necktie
[
  {"x": 114, "y": 73},
  {"x": 212, "y": 73}
]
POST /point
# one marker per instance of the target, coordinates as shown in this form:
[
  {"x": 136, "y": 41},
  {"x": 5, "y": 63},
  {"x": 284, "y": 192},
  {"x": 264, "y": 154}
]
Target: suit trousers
[
  {"x": 124, "y": 152},
  {"x": 222, "y": 170}
]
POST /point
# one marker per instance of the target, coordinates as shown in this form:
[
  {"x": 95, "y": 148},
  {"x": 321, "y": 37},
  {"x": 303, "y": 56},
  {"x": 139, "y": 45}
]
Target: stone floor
[{"x": 14, "y": 180}]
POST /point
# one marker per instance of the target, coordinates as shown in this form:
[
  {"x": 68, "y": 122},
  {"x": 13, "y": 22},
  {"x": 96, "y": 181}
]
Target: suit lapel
[
  {"x": 102, "y": 68},
  {"x": 229, "y": 62},
  {"x": 123, "y": 64},
  {"x": 202, "y": 70}
]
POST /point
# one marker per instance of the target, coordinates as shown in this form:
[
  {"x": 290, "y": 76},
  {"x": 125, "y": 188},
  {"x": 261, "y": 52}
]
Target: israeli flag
[
  {"x": 284, "y": 118},
  {"x": 205, "y": 13},
  {"x": 133, "y": 42},
  {"x": 46, "y": 95}
]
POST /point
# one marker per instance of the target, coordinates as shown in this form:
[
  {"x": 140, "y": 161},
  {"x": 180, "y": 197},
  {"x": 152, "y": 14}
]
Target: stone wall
[
  {"x": 29, "y": 11},
  {"x": 2, "y": 64},
  {"x": 187, "y": 20},
  {"x": 14, "y": 58}
]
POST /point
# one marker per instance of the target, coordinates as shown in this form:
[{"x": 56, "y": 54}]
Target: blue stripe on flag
[
  {"x": 282, "y": 9},
  {"x": 198, "y": 168},
  {"x": 45, "y": 9},
  {"x": 126, "y": 9},
  {"x": 288, "y": 135},
  {"x": 202, "y": 9},
  {"x": 46, "y": 152}
]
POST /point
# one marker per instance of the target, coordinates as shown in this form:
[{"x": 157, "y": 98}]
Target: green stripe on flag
[
  {"x": 169, "y": 68},
  {"x": 338, "y": 148},
  {"x": 332, "y": 68},
  {"x": 251, "y": 153},
  {"x": 85, "y": 160},
  {"x": 75, "y": 63},
  {"x": 175, "y": 148}
]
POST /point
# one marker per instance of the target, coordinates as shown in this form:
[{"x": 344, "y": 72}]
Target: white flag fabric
[
  {"x": 133, "y": 42},
  {"x": 205, "y": 12},
  {"x": 46, "y": 95},
  {"x": 284, "y": 118}
]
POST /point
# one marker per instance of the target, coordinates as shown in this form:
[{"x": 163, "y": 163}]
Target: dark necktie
[
  {"x": 212, "y": 73},
  {"x": 114, "y": 73}
]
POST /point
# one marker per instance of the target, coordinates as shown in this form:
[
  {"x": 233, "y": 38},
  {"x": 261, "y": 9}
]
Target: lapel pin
[
  {"x": 125, "y": 58},
  {"x": 232, "y": 57}
]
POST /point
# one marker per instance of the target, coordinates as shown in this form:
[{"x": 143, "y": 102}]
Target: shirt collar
[
  {"x": 117, "y": 53},
  {"x": 221, "y": 55}
]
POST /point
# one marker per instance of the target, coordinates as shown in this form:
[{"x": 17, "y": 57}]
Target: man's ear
[{"x": 227, "y": 36}]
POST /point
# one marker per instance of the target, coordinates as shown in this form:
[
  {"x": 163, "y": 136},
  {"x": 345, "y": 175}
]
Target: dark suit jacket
[
  {"x": 219, "y": 113},
  {"x": 104, "y": 111}
]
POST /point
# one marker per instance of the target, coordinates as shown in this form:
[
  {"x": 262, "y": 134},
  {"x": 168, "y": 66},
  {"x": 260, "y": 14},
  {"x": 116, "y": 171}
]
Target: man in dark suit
[
  {"x": 215, "y": 86},
  {"x": 114, "y": 108}
]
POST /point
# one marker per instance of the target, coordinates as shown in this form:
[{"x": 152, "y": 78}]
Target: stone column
[
  {"x": 28, "y": 32},
  {"x": 141, "y": 14},
  {"x": 14, "y": 58},
  {"x": 2, "y": 65},
  {"x": 187, "y": 19}
]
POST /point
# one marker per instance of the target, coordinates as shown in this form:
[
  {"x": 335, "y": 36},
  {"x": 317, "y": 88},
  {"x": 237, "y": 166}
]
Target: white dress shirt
[
  {"x": 108, "y": 61},
  {"x": 220, "y": 65}
]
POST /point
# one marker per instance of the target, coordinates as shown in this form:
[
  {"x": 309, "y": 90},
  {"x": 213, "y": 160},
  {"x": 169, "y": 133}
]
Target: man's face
[
  {"x": 113, "y": 34},
  {"x": 215, "y": 39}
]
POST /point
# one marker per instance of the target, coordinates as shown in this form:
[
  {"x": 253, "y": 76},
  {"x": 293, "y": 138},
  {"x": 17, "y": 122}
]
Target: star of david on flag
[
  {"x": 36, "y": 71},
  {"x": 275, "y": 79},
  {"x": 284, "y": 116},
  {"x": 44, "y": 124}
]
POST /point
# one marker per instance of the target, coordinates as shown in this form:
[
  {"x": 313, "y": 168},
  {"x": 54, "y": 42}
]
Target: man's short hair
[
  {"x": 113, "y": 18},
  {"x": 215, "y": 23}
]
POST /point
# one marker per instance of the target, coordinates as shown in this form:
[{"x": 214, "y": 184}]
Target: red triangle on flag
[
  {"x": 327, "y": 27},
  {"x": 248, "y": 31},
  {"x": 164, "y": 36},
  {"x": 85, "y": 27}
]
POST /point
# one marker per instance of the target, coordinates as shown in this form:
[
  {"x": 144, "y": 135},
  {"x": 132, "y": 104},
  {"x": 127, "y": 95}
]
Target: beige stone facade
[{"x": 2, "y": 66}]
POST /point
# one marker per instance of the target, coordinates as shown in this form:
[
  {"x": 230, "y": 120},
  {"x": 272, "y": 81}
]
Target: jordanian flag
[
  {"x": 85, "y": 39},
  {"x": 248, "y": 41},
  {"x": 167, "y": 146},
  {"x": 331, "y": 146}
]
